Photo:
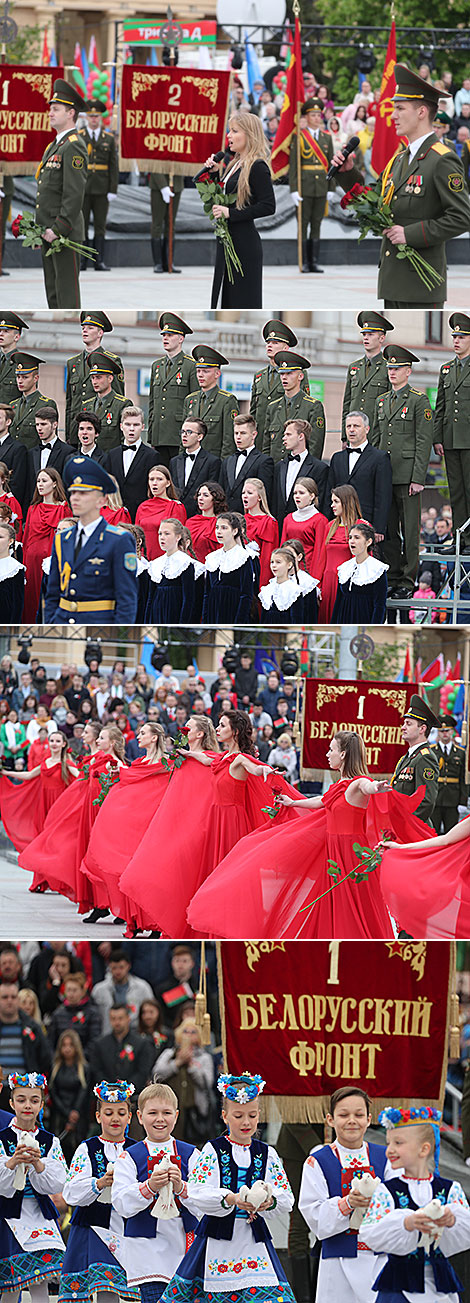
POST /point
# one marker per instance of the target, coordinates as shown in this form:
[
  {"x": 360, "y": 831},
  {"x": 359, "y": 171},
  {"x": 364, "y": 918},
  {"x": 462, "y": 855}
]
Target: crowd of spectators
[
  {"x": 33, "y": 704},
  {"x": 82, "y": 1012}
]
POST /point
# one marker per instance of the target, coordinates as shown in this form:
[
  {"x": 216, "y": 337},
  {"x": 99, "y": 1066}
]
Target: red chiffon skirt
[
  {"x": 204, "y": 813},
  {"x": 428, "y": 889},
  {"x": 56, "y": 854},
  {"x": 120, "y": 826},
  {"x": 270, "y": 881},
  {"x": 25, "y": 805}
]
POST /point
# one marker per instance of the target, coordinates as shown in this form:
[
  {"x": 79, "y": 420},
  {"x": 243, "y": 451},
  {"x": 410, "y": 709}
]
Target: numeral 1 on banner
[
  {"x": 5, "y": 94},
  {"x": 360, "y": 712},
  {"x": 333, "y": 979}
]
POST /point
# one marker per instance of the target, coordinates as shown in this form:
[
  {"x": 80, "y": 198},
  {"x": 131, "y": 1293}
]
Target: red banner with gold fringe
[
  {"x": 25, "y": 132},
  {"x": 172, "y": 119},
  {"x": 311, "y": 1016},
  {"x": 373, "y": 709}
]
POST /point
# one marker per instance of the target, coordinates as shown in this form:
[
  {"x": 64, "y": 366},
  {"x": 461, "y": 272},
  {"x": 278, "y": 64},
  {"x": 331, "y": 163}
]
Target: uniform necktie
[
  {"x": 367, "y": 367},
  {"x": 78, "y": 544}
]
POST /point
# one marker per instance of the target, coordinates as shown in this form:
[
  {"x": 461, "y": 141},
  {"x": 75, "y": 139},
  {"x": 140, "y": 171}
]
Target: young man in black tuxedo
[
  {"x": 53, "y": 452},
  {"x": 88, "y": 429},
  {"x": 193, "y": 466},
  {"x": 247, "y": 463},
  {"x": 297, "y": 462},
  {"x": 367, "y": 469},
  {"x": 130, "y": 464},
  {"x": 15, "y": 456}
]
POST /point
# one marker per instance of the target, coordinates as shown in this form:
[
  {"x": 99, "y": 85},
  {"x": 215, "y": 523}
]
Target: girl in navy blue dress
[
  {"x": 172, "y": 591},
  {"x": 95, "y": 1256},
  {"x": 32, "y": 1174},
  {"x": 285, "y": 600},
  {"x": 199, "y": 574},
  {"x": 362, "y": 581},
  {"x": 230, "y": 575}
]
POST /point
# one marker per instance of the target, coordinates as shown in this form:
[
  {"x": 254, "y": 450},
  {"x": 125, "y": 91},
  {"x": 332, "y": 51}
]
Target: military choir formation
[
  {"x": 157, "y": 1218},
  {"x": 213, "y": 515}
]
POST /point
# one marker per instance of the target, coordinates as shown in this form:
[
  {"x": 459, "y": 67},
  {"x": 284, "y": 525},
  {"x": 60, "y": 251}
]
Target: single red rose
[
  {"x": 357, "y": 189},
  {"x": 15, "y": 226}
]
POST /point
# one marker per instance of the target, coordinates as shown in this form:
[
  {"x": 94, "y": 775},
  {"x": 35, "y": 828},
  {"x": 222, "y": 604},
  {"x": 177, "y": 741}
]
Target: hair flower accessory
[
  {"x": 390, "y": 1118},
  {"x": 29, "y": 1079},
  {"x": 242, "y": 1088},
  {"x": 114, "y": 1091}
]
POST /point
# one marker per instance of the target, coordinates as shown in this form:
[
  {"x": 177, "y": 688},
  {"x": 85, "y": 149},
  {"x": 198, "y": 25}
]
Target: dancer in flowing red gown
[
  {"x": 49, "y": 506},
  {"x": 346, "y": 510},
  {"x": 161, "y": 504},
  {"x": 307, "y": 524},
  {"x": 261, "y": 527},
  {"x": 427, "y": 884},
  {"x": 56, "y": 854},
  {"x": 211, "y": 501},
  {"x": 24, "y": 807},
  {"x": 274, "y": 874},
  {"x": 210, "y": 803}
]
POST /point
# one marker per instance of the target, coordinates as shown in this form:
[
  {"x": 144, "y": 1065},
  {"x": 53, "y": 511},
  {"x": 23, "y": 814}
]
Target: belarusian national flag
[{"x": 177, "y": 994}]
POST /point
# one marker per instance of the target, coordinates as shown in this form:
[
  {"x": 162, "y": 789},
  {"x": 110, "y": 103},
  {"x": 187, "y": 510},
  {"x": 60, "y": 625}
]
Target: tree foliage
[{"x": 26, "y": 48}]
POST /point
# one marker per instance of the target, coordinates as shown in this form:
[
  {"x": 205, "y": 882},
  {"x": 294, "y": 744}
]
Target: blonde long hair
[
  {"x": 79, "y": 1056},
  {"x": 262, "y": 495},
  {"x": 257, "y": 147}
]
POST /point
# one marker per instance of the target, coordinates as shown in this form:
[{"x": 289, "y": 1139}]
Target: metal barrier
[
  {"x": 458, "y": 576},
  {"x": 456, "y": 1101}
]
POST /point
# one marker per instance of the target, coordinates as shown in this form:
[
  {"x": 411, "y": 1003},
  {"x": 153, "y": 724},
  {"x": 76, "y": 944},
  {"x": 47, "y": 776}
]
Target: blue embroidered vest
[
  {"x": 142, "y": 1224},
  {"x": 407, "y": 1271},
  {"x": 12, "y": 1207},
  {"x": 221, "y": 1228},
  {"x": 96, "y": 1214},
  {"x": 338, "y": 1180}
]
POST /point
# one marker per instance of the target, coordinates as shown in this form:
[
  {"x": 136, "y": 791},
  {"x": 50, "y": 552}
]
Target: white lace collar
[
  {"x": 280, "y": 595},
  {"x": 226, "y": 562},
  {"x": 253, "y": 547},
  {"x": 142, "y": 564},
  {"x": 46, "y": 565},
  {"x": 363, "y": 574},
  {"x": 9, "y": 566},
  {"x": 305, "y": 513},
  {"x": 168, "y": 567}
]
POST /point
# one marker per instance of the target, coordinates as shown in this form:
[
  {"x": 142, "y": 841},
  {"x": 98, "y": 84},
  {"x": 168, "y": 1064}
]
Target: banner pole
[
  {"x": 299, "y": 190},
  {"x": 170, "y": 206}
]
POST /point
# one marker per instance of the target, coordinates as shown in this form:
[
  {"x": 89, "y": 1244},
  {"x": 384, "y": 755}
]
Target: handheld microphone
[
  {"x": 347, "y": 150},
  {"x": 221, "y": 154}
]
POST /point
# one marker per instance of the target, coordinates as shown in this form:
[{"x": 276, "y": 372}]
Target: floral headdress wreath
[
  {"x": 30, "y": 1079},
  {"x": 390, "y": 1118},
  {"x": 114, "y": 1091},
  {"x": 241, "y": 1087}
]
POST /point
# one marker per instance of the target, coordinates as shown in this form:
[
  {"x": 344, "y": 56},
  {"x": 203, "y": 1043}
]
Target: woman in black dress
[{"x": 249, "y": 176}]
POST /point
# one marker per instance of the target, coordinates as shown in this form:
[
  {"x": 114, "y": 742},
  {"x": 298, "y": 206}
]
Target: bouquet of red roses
[
  {"x": 212, "y": 192},
  {"x": 374, "y": 214},
  {"x": 33, "y": 237}
]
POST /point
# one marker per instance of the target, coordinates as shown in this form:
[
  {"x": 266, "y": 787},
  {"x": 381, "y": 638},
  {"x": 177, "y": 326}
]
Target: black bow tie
[
  {"x": 243, "y": 452},
  {"x": 191, "y": 455},
  {"x": 294, "y": 456},
  {"x": 46, "y": 445}
]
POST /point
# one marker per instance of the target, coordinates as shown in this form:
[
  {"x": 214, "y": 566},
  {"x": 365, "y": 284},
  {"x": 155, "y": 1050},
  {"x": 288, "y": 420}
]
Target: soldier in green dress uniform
[
  {"x": 78, "y": 386},
  {"x": 452, "y": 788},
  {"x": 216, "y": 407},
  {"x": 106, "y": 404},
  {"x": 294, "y": 405},
  {"x": 11, "y": 326},
  {"x": 403, "y": 427},
  {"x": 425, "y": 186},
  {"x": 419, "y": 767},
  {"x": 102, "y": 178},
  {"x": 61, "y": 178},
  {"x": 452, "y": 422},
  {"x": 316, "y": 153},
  {"x": 266, "y": 383},
  {"x": 160, "y": 194},
  {"x": 367, "y": 377},
  {"x": 23, "y": 426},
  {"x": 172, "y": 378}
]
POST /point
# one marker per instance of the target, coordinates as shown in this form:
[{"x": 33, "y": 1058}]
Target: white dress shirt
[
  {"x": 128, "y": 455},
  {"x": 354, "y": 454},
  {"x": 293, "y": 470}
]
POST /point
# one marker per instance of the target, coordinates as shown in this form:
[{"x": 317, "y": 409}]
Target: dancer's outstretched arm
[{"x": 360, "y": 791}]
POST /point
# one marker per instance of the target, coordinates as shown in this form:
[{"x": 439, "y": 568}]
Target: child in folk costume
[
  {"x": 417, "y": 1218},
  {"x": 327, "y": 1201},
  {"x": 95, "y": 1258},
  {"x": 32, "y": 1172},
  {"x": 155, "y": 1243},
  {"x": 238, "y": 1183}
]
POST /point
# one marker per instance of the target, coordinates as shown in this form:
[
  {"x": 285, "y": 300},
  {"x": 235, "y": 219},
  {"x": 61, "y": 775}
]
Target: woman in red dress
[
  {"x": 307, "y": 524},
  {"x": 24, "y": 809},
  {"x": 115, "y": 512},
  {"x": 10, "y": 500},
  {"x": 56, "y": 854},
  {"x": 261, "y": 527},
  {"x": 227, "y": 795},
  {"x": 427, "y": 883},
  {"x": 275, "y": 875},
  {"x": 211, "y": 501},
  {"x": 49, "y": 505},
  {"x": 346, "y": 510},
  {"x": 161, "y": 504}
]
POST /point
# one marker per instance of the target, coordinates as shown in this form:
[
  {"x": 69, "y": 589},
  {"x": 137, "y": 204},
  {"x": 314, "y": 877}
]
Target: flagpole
[{"x": 296, "y": 11}]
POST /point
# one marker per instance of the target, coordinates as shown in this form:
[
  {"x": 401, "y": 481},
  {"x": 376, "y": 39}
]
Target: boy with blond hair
[{"x": 155, "y": 1245}]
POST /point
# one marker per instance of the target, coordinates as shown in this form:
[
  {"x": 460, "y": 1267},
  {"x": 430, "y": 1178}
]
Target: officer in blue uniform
[{"x": 93, "y": 578}]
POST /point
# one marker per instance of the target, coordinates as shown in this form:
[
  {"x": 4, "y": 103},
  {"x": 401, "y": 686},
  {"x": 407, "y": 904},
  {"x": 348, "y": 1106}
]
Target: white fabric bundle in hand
[
  {"x": 260, "y": 1191},
  {"x": 365, "y": 1185},
  {"x": 24, "y": 1138},
  {"x": 434, "y": 1210},
  {"x": 165, "y": 1206},
  {"x": 105, "y": 1195}
]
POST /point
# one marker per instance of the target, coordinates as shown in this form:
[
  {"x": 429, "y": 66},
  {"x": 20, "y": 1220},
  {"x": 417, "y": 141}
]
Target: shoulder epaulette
[
  {"x": 116, "y": 529},
  {"x": 66, "y": 533},
  {"x": 195, "y": 393},
  {"x": 425, "y": 751},
  {"x": 189, "y": 358},
  {"x": 122, "y": 398},
  {"x": 439, "y": 148},
  {"x": 308, "y": 399},
  {"x": 74, "y": 137},
  {"x": 74, "y": 358},
  {"x": 226, "y": 392},
  {"x": 275, "y": 400},
  {"x": 417, "y": 391}
]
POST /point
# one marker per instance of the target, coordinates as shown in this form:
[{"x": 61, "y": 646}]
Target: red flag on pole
[
  {"x": 385, "y": 140},
  {"x": 408, "y": 666},
  {"x": 294, "y": 95},
  {"x": 45, "y": 51}
]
